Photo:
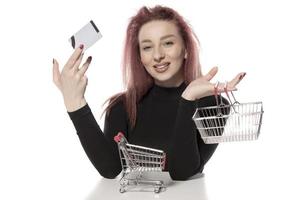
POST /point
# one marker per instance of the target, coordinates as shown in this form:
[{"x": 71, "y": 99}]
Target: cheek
[
  {"x": 176, "y": 53},
  {"x": 146, "y": 59}
]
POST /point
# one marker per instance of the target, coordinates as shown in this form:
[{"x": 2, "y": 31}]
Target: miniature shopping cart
[
  {"x": 135, "y": 161},
  {"x": 229, "y": 122}
]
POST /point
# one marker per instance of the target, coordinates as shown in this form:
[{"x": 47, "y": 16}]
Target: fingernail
[
  {"x": 81, "y": 46},
  {"x": 53, "y": 60},
  {"x": 242, "y": 76},
  {"x": 89, "y": 59}
]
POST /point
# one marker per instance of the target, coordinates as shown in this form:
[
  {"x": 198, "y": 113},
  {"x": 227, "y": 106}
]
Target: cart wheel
[
  {"x": 122, "y": 190},
  {"x": 124, "y": 182}
]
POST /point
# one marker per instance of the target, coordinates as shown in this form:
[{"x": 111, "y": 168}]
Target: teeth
[{"x": 161, "y": 66}]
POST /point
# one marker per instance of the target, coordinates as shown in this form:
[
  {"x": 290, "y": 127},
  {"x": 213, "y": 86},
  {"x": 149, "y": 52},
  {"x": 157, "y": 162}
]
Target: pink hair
[{"x": 135, "y": 78}]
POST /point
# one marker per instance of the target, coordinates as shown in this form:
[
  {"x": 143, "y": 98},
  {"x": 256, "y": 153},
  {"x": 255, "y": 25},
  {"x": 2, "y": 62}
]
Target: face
[{"x": 162, "y": 52}]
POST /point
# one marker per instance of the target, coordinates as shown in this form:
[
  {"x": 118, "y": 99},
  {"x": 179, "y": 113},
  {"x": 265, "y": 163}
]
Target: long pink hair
[{"x": 136, "y": 79}]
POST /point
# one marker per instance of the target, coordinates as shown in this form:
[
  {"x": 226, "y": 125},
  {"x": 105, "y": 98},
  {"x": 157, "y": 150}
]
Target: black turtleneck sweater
[{"x": 164, "y": 121}]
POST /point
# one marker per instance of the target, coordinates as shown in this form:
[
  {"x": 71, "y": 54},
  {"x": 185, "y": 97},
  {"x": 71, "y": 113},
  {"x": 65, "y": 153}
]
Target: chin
[
  {"x": 162, "y": 77},
  {"x": 171, "y": 75}
]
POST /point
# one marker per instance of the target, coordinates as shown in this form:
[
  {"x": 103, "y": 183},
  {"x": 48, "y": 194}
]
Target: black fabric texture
[{"x": 164, "y": 121}]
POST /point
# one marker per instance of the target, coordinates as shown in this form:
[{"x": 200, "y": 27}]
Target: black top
[{"x": 164, "y": 121}]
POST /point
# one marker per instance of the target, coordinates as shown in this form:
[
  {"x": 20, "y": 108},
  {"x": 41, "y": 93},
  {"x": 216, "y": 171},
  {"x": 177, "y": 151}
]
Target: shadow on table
[{"x": 194, "y": 188}]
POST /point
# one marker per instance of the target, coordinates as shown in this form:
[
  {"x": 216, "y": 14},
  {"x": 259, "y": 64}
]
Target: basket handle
[
  {"x": 216, "y": 92},
  {"x": 219, "y": 105},
  {"x": 235, "y": 101},
  {"x": 216, "y": 95},
  {"x": 226, "y": 91}
]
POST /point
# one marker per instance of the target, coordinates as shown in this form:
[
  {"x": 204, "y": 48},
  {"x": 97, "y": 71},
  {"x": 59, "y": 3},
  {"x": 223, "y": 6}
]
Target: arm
[
  {"x": 184, "y": 157},
  {"x": 100, "y": 146},
  {"x": 207, "y": 150},
  {"x": 188, "y": 152}
]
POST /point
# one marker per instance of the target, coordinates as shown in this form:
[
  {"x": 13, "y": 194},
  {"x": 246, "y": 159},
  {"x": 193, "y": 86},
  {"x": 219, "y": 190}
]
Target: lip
[{"x": 161, "y": 67}]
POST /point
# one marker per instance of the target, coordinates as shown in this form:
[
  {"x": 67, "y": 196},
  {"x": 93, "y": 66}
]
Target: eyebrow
[{"x": 162, "y": 38}]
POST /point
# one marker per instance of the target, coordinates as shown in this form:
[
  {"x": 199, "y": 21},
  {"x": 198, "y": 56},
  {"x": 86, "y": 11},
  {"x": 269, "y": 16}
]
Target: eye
[
  {"x": 146, "y": 48},
  {"x": 168, "y": 43}
]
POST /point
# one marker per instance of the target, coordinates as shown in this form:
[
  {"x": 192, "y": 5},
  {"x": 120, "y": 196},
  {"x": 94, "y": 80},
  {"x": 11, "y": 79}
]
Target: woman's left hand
[{"x": 202, "y": 86}]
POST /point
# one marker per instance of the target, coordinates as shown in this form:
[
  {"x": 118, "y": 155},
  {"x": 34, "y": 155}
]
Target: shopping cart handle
[{"x": 118, "y": 137}]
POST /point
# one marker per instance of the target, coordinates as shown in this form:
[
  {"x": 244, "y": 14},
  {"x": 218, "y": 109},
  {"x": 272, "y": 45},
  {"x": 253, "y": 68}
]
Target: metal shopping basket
[
  {"x": 135, "y": 161},
  {"x": 229, "y": 122}
]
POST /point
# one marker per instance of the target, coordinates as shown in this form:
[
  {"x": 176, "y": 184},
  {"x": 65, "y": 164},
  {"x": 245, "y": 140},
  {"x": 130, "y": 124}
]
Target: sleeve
[
  {"x": 207, "y": 150},
  {"x": 184, "y": 156},
  {"x": 99, "y": 146}
]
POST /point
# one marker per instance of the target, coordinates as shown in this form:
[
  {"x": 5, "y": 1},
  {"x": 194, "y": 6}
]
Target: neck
[{"x": 167, "y": 93}]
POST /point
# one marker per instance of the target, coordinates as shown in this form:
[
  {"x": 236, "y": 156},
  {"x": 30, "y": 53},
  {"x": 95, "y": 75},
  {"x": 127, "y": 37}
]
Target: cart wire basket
[
  {"x": 136, "y": 160},
  {"x": 228, "y": 122}
]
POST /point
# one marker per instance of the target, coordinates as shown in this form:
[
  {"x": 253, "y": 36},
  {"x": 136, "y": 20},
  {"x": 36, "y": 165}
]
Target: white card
[{"x": 87, "y": 35}]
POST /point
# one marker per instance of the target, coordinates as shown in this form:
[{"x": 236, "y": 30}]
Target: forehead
[{"x": 156, "y": 29}]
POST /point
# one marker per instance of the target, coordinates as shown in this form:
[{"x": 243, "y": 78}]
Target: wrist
[
  {"x": 72, "y": 106},
  {"x": 188, "y": 96}
]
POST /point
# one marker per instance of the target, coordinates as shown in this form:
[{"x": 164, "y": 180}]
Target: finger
[
  {"x": 222, "y": 87},
  {"x": 74, "y": 57},
  {"x": 236, "y": 80},
  {"x": 77, "y": 63},
  {"x": 211, "y": 73},
  {"x": 85, "y": 80},
  {"x": 85, "y": 66},
  {"x": 56, "y": 73}
]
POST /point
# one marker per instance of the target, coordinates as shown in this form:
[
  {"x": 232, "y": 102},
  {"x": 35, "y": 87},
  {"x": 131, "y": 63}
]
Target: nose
[{"x": 158, "y": 54}]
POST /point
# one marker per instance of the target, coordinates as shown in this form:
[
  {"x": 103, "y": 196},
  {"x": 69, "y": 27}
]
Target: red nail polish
[{"x": 81, "y": 46}]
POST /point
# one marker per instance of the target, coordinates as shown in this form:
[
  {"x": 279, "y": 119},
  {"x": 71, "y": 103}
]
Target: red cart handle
[{"x": 118, "y": 137}]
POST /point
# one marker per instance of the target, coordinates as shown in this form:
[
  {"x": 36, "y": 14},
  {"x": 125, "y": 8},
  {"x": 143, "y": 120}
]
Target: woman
[{"x": 163, "y": 86}]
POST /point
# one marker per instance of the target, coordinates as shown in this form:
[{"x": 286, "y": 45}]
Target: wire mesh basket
[
  {"x": 229, "y": 122},
  {"x": 136, "y": 160}
]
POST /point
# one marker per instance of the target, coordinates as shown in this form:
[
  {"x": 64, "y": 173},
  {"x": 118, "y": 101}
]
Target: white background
[{"x": 41, "y": 156}]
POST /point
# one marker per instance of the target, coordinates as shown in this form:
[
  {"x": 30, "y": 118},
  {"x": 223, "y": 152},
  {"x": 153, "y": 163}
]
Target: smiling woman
[
  {"x": 164, "y": 84},
  {"x": 162, "y": 52}
]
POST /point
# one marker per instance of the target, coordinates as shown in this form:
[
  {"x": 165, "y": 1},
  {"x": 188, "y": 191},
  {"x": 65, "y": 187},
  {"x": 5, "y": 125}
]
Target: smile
[{"x": 162, "y": 67}]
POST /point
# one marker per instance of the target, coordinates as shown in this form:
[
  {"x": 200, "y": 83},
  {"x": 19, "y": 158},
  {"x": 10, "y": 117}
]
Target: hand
[
  {"x": 72, "y": 80},
  {"x": 202, "y": 86}
]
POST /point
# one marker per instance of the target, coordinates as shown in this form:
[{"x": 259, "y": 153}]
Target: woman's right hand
[{"x": 72, "y": 81}]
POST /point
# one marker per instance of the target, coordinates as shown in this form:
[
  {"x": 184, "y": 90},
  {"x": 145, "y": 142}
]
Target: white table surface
[{"x": 194, "y": 187}]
